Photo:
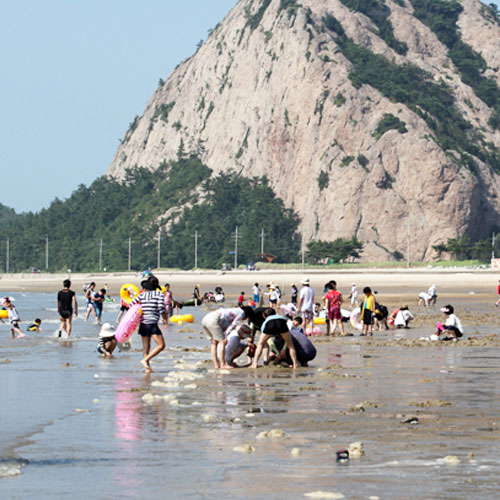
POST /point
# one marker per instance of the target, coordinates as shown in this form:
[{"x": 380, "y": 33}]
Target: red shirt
[
  {"x": 242, "y": 298},
  {"x": 333, "y": 298}
]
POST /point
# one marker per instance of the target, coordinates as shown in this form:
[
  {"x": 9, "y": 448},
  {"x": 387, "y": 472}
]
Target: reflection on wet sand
[{"x": 413, "y": 405}]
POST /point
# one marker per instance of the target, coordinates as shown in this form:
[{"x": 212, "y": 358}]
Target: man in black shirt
[{"x": 66, "y": 299}]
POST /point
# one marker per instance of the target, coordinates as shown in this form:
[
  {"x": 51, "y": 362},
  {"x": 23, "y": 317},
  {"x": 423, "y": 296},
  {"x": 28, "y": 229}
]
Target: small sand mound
[
  {"x": 272, "y": 434},
  {"x": 244, "y": 448},
  {"x": 356, "y": 449},
  {"x": 451, "y": 460},
  {"x": 327, "y": 495},
  {"x": 429, "y": 403}
]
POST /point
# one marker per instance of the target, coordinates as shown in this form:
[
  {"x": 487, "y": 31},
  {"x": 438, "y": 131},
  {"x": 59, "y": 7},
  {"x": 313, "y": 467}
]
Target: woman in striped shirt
[{"x": 152, "y": 305}]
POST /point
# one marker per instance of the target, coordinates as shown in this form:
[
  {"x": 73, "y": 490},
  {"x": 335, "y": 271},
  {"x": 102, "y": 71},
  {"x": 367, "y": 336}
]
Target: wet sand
[{"x": 188, "y": 431}]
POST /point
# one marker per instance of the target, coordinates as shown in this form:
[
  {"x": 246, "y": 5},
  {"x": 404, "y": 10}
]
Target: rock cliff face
[{"x": 273, "y": 92}]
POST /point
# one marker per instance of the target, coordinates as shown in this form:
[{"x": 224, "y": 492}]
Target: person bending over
[{"x": 274, "y": 326}]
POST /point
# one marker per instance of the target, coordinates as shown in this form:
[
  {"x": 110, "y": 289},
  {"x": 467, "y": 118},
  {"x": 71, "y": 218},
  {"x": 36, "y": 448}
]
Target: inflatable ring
[
  {"x": 319, "y": 321},
  {"x": 355, "y": 317},
  {"x": 182, "y": 318},
  {"x": 4, "y": 314},
  {"x": 129, "y": 323},
  {"x": 128, "y": 292}
]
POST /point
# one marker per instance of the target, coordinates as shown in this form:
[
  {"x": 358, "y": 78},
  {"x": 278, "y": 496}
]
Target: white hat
[
  {"x": 107, "y": 328},
  {"x": 306, "y": 281}
]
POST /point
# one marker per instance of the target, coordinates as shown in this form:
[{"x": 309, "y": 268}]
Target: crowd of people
[{"x": 284, "y": 328}]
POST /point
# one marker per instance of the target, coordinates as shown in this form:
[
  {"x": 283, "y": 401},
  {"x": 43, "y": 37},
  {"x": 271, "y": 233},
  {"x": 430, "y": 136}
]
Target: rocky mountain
[{"x": 374, "y": 118}]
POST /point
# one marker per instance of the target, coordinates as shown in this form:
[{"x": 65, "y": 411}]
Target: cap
[{"x": 447, "y": 309}]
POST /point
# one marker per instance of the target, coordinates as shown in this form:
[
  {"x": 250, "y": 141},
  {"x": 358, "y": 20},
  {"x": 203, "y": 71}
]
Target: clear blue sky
[{"x": 74, "y": 74}]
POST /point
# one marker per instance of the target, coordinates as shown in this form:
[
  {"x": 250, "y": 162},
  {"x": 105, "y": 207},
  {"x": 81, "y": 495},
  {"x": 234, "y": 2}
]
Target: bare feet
[
  {"x": 146, "y": 366},
  {"x": 21, "y": 336},
  {"x": 227, "y": 367}
]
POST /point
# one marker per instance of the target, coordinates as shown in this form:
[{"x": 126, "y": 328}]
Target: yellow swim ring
[
  {"x": 128, "y": 292},
  {"x": 182, "y": 318},
  {"x": 319, "y": 321},
  {"x": 4, "y": 314}
]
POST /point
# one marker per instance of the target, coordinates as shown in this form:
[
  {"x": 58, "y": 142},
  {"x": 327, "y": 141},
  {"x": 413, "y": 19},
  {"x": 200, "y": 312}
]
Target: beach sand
[{"x": 426, "y": 413}]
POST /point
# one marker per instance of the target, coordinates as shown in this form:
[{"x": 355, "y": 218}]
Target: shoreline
[{"x": 392, "y": 281}]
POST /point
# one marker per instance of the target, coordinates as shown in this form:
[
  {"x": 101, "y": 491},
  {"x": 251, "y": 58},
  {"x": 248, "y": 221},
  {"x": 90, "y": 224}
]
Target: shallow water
[{"x": 124, "y": 446}]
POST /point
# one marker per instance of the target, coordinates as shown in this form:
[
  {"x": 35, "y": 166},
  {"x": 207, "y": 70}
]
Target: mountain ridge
[{"x": 274, "y": 91}]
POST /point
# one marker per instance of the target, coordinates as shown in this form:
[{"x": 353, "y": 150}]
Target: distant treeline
[{"x": 174, "y": 201}]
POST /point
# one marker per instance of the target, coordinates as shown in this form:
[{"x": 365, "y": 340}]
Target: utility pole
[
  {"x": 195, "y": 236},
  {"x": 408, "y": 250},
  {"x": 100, "y": 255},
  {"x": 129, "y": 252},
  {"x": 262, "y": 241},
  {"x": 7, "y": 256},
  {"x": 159, "y": 251},
  {"x": 236, "y": 236},
  {"x": 302, "y": 250},
  {"x": 46, "y": 253}
]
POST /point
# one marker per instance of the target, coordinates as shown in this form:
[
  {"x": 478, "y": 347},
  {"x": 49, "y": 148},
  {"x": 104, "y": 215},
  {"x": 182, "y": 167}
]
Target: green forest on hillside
[{"x": 116, "y": 211}]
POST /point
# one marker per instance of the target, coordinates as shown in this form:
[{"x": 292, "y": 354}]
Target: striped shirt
[{"x": 152, "y": 306}]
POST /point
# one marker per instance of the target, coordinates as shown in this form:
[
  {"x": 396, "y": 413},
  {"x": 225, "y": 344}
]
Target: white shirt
[
  {"x": 402, "y": 317},
  {"x": 453, "y": 320},
  {"x": 432, "y": 291},
  {"x": 13, "y": 315},
  {"x": 307, "y": 296}
]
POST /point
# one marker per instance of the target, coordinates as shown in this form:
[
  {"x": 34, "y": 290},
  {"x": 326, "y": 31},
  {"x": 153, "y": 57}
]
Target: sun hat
[
  {"x": 306, "y": 282},
  {"x": 106, "y": 328}
]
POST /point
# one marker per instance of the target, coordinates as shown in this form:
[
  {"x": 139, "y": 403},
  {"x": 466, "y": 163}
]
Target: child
[
  {"x": 235, "y": 345},
  {"x": 274, "y": 326},
  {"x": 151, "y": 300},
  {"x": 217, "y": 324},
  {"x": 107, "y": 342},
  {"x": 35, "y": 326},
  {"x": 452, "y": 327},
  {"x": 297, "y": 325},
  {"x": 333, "y": 301},
  {"x": 402, "y": 317},
  {"x": 241, "y": 299},
  {"x": 354, "y": 295},
  {"x": 14, "y": 319},
  {"x": 98, "y": 303},
  {"x": 367, "y": 311},
  {"x": 124, "y": 307}
]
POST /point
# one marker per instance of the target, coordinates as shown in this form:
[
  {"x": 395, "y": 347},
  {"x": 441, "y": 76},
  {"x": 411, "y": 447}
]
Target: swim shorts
[
  {"x": 307, "y": 315},
  {"x": 367, "y": 317},
  {"x": 211, "y": 324},
  {"x": 148, "y": 329},
  {"x": 65, "y": 313},
  {"x": 275, "y": 327}
]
